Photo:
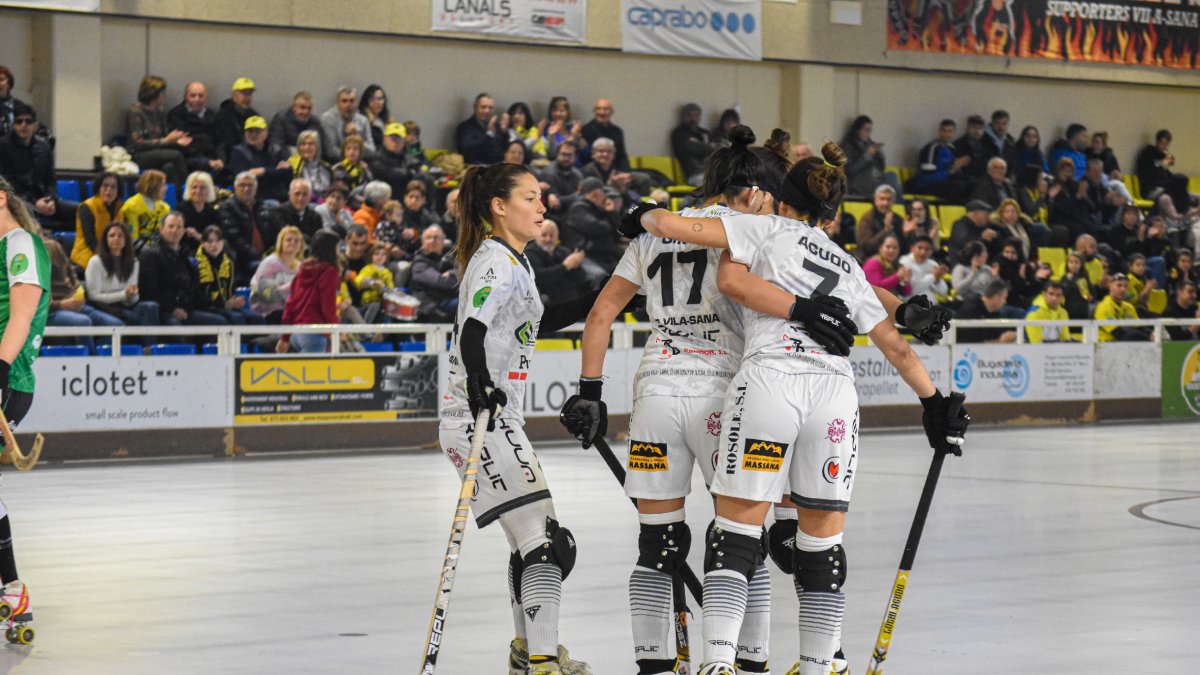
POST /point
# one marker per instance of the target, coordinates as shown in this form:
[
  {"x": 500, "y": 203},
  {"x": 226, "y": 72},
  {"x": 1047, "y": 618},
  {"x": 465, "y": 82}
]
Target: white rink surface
[{"x": 1031, "y": 561}]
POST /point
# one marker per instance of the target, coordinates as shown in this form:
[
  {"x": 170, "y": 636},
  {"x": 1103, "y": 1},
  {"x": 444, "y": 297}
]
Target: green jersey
[{"x": 23, "y": 260}]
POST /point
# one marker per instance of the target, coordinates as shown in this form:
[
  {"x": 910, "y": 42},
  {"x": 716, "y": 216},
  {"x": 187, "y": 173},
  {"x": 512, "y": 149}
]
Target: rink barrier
[{"x": 229, "y": 403}]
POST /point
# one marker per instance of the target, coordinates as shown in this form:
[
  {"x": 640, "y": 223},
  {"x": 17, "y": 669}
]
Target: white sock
[
  {"x": 755, "y": 635},
  {"x": 821, "y": 614},
  {"x": 518, "y": 614},
  {"x": 541, "y": 595},
  {"x": 651, "y": 594},
  {"x": 725, "y": 595}
]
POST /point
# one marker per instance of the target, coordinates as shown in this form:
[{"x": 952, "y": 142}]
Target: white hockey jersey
[
  {"x": 497, "y": 289},
  {"x": 803, "y": 261},
  {"x": 696, "y": 343}
]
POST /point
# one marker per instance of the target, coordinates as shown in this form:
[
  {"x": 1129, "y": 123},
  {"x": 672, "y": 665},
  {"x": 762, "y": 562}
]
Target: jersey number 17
[{"x": 698, "y": 259}]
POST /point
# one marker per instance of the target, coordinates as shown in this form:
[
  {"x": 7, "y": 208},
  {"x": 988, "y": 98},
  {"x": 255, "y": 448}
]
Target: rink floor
[{"x": 1032, "y": 561}]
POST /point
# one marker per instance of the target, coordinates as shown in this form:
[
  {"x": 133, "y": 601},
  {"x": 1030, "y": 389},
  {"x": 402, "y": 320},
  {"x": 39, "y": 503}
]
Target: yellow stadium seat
[
  {"x": 676, "y": 203},
  {"x": 948, "y": 214},
  {"x": 856, "y": 209},
  {"x": 554, "y": 345},
  {"x": 1135, "y": 189},
  {"x": 432, "y": 154},
  {"x": 1056, "y": 258},
  {"x": 1157, "y": 301},
  {"x": 1194, "y": 184},
  {"x": 662, "y": 164}
]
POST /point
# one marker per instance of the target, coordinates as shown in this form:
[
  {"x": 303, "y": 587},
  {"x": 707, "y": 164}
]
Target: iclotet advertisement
[{"x": 998, "y": 373}]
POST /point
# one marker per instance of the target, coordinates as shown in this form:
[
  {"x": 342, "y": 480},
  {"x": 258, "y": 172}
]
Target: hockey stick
[
  {"x": 884, "y": 641},
  {"x": 441, "y": 605},
  {"x": 20, "y": 460}
]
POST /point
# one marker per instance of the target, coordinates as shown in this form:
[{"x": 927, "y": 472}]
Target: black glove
[
  {"x": 921, "y": 319},
  {"x": 481, "y": 394},
  {"x": 584, "y": 415},
  {"x": 5, "y": 391},
  {"x": 827, "y": 320},
  {"x": 945, "y": 420},
  {"x": 631, "y": 220}
]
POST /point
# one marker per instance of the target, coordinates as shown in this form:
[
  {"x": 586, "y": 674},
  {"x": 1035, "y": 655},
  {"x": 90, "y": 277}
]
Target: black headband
[{"x": 799, "y": 197}]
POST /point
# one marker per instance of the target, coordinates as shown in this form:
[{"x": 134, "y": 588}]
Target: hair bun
[
  {"x": 742, "y": 136},
  {"x": 779, "y": 143},
  {"x": 833, "y": 154}
]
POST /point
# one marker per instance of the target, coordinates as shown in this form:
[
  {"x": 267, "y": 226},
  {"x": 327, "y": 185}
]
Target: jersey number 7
[
  {"x": 699, "y": 261},
  {"x": 829, "y": 278}
]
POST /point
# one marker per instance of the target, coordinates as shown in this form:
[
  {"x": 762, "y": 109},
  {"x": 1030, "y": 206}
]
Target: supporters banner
[
  {"x": 336, "y": 389},
  {"x": 1181, "y": 379},
  {"x": 539, "y": 19},
  {"x": 989, "y": 373},
  {"x": 131, "y": 393},
  {"x": 1135, "y": 32},
  {"x": 878, "y": 382},
  {"x": 723, "y": 29}
]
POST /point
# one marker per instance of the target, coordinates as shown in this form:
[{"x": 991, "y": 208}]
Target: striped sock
[
  {"x": 755, "y": 636},
  {"x": 820, "y": 614},
  {"x": 515, "y": 566},
  {"x": 650, "y": 595},
  {"x": 541, "y": 595}
]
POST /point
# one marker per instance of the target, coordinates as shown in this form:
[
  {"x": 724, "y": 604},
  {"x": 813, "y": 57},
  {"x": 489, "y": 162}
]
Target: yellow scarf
[{"x": 223, "y": 276}]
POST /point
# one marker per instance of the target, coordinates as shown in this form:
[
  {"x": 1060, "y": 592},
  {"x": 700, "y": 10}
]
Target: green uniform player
[{"x": 24, "y": 305}]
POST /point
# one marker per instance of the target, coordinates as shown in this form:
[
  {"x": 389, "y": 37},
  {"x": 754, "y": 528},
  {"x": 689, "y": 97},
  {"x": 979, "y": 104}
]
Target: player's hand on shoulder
[
  {"x": 584, "y": 415},
  {"x": 945, "y": 420},
  {"x": 827, "y": 320},
  {"x": 631, "y": 221},
  {"x": 922, "y": 319}
]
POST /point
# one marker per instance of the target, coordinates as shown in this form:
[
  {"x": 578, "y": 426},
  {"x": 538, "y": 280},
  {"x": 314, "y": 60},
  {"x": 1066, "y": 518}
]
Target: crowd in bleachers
[{"x": 227, "y": 205}]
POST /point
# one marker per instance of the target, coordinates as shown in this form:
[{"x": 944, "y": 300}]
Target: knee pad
[
  {"x": 664, "y": 547},
  {"x": 781, "y": 544},
  {"x": 560, "y": 550},
  {"x": 821, "y": 571},
  {"x": 731, "y": 551}
]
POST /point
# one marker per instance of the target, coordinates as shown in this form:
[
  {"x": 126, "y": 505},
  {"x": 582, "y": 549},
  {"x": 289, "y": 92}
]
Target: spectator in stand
[
  {"x": 198, "y": 122},
  {"x": 352, "y": 170},
  {"x": 1110, "y": 168},
  {"x": 1085, "y": 246},
  {"x": 884, "y": 270},
  {"x": 93, "y": 216},
  {"x": 971, "y": 227},
  {"x": 373, "y": 281},
  {"x": 168, "y": 277},
  {"x": 244, "y": 221},
  {"x": 921, "y": 223},
  {"x": 515, "y": 153},
  {"x": 297, "y": 211},
  {"x": 289, "y": 123},
  {"x": 307, "y": 162},
  {"x": 1071, "y": 205},
  {"x": 231, "y": 118},
  {"x": 1009, "y": 223},
  {"x": 112, "y": 280},
  {"x": 199, "y": 209},
  {"x": 972, "y": 145},
  {"x": 313, "y": 296},
  {"x": 412, "y": 144},
  {"x": 986, "y": 305},
  {"x": 341, "y": 122},
  {"x": 1072, "y": 145},
  {"x": 556, "y": 268},
  {"x": 1052, "y": 309},
  {"x": 1115, "y": 306},
  {"x": 1106, "y": 201},
  {"x": 416, "y": 215},
  {"x": 1182, "y": 271},
  {"x": 604, "y": 167},
  {"x": 1140, "y": 285},
  {"x": 562, "y": 179},
  {"x": 400, "y": 242},
  {"x": 215, "y": 276},
  {"x": 601, "y": 126},
  {"x": 8, "y": 102},
  {"x": 1130, "y": 235},
  {"x": 1031, "y": 186},
  {"x": 145, "y": 211},
  {"x": 450, "y": 216},
  {"x": 691, "y": 144},
  {"x": 995, "y": 187},
  {"x": 27, "y": 161},
  {"x": 972, "y": 273},
  {"x": 373, "y": 106},
  {"x": 272, "y": 282},
  {"x": 865, "y": 161},
  {"x": 877, "y": 223},
  {"x": 68, "y": 300},
  {"x": 940, "y": 170},
  {"x": 730, "y": 118},
  {"x": 1183, "y": 306},
  {"x": 268, "y": 163},
  {"x": 1168, "y": 190},
  {"x": 1028, "y": 152},
  {"x": 522, "y": 128},
  {"x": 592, "y": 226},
  {"x": 1079, "y": 293},
  {"x": 927, "y": 275},
  {"x": 434, "y": 279},
  {"x": 375, "y": 195},
  {"x": 335, "y": 217},
  {"x": 1024, "y": 278},
  {"x": 392, "y": 164},
  {"x": 150, "y": 143},
  {"x": 481, "y": 138},
  {"x": 996, "y": 133},
  {"x": 560, "y": 128}
]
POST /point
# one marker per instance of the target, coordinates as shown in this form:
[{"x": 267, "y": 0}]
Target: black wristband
[
  {"x": 590, "y": 388},
  {"x": 930, "y": 401}
]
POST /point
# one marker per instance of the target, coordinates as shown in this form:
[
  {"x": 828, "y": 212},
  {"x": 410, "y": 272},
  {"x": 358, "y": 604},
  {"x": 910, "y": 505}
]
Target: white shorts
[
  {"x": 509, "y": 473},
  {"x": 666, "y": 435},
  {"x": 780, "y": 428}
]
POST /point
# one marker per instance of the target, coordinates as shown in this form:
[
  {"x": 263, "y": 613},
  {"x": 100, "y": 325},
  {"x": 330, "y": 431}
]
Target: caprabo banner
[
  {"x": 537, "y": 19},
  {"x": 725, "y": 29},
  {"x": 1135, "y": 32}
]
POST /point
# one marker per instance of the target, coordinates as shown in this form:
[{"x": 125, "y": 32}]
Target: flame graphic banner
[{"x": 1163, "y": 33}]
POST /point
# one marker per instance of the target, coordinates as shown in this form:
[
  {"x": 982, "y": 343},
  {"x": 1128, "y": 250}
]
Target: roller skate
[
  {"x": 570, "y": 666},
  {"x": 518, "y": 662},
  {"x": 15, "y": 614},
  {"x": 518, "y": 657},
  {"x": 717, "y": 669},
  {"x": 839, "y": 665}
]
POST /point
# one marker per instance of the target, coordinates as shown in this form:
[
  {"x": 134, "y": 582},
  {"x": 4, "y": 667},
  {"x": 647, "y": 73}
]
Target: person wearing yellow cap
[
  {"x": 392, "y": 164},
  {"x": 266, "y": 162},
  {"x": 231, "y": 118}
]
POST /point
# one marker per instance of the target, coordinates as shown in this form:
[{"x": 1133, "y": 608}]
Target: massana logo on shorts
[
  {"x": 644, "y": 456},
  {"x": 19, "y": 264},
  {"x": 763, "y": 455}
]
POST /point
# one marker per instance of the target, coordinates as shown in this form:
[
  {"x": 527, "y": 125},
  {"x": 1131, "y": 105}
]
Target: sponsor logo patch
[
  {"x": 837, "y": 431},
  {"x": 714, "y": 424},
  {"x": 524, "y": 334},
  {"x": 480, "y": 295},
  {"x": 455, "y": 457},
  {"x": 762, "y": 455},
  {"x": 645, "y": 456},
  {"x": 830, "y": 470},
  {"x": 19, "y": 263}
]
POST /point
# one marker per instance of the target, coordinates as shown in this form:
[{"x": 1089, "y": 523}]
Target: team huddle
[{"x": 745, "y": 373}]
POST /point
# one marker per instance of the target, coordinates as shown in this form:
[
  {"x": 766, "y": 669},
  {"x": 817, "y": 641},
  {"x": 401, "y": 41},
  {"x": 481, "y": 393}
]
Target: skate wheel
[
  {"x": 5, "y": 611},
  {"x": 25, "y": 635},
  {"x": 11, "y": 635}
]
